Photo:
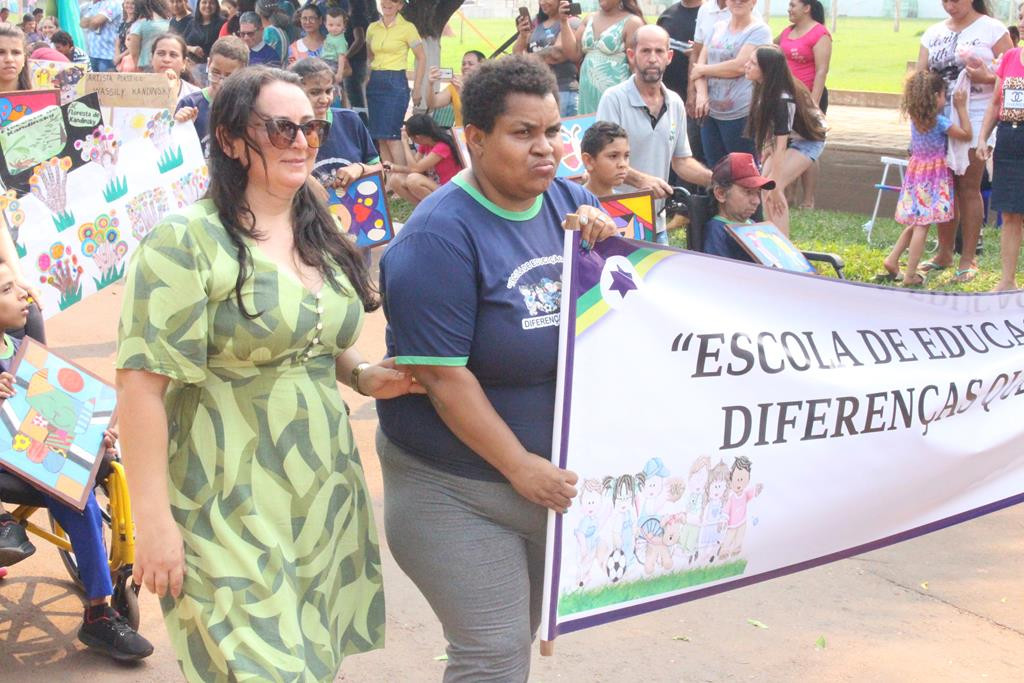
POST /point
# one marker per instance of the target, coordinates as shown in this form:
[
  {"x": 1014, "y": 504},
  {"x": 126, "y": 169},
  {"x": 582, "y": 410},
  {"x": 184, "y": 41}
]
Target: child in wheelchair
[
  {"x": 103, "y": 628},
  {"x": 737, "y": 185}
]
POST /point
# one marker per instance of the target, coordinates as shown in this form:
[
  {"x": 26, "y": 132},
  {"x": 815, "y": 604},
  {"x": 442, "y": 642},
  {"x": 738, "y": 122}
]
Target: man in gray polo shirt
[{"x": 655, "y": 119}]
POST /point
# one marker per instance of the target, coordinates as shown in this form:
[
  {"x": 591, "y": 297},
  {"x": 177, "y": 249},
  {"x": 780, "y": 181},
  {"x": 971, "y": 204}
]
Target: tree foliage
[{"x": 430, "y": 16}]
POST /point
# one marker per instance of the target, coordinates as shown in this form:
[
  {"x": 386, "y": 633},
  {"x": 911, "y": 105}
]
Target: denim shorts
[{"x": 809, "y": 148}]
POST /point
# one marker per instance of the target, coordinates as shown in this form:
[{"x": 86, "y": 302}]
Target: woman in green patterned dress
[
  {"x": 254, "y": 523},
  {"x": 600, "y": 42}
]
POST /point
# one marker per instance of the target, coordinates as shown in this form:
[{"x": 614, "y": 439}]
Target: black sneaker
[
  {"x": 14, "y": 543},
  {"x": 111, "y": 634}
]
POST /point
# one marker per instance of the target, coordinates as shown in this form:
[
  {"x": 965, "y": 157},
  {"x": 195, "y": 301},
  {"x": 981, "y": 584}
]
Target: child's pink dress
[{"x": 927, "y": 193}]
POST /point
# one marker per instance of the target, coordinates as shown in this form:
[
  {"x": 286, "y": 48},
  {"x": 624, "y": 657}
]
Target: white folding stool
[{"x": 889, "y": 162}]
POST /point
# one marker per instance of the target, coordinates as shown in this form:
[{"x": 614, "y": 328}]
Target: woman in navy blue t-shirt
[{"x": 472, "y": 291}]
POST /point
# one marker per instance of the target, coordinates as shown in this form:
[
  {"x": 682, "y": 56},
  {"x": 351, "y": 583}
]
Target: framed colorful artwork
[
  {"x": 571, "y": 135},
  {"x": 573, "y": 128},
  {"x": 18, "y": 104},
  {"x": 51, "y": 430},
  {"x": 67, "y": 77},
  {"x": 361, "y": 210},
  {"x": 633, "y": 214},
  {"x": 768, "y": 246}
]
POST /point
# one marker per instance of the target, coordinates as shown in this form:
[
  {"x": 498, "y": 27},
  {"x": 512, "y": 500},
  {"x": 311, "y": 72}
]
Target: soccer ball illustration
[{"x": 615, "y": 565}]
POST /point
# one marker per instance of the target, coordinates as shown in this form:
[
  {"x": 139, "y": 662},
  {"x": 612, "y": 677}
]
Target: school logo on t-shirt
[{"x": 539, "y": 283}]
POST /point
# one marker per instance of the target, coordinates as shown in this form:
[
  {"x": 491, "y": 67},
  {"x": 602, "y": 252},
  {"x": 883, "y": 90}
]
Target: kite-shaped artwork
[{"x": 633, "y": 214}]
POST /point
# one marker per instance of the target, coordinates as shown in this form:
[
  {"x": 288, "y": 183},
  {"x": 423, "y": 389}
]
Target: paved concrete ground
[{"x": 945, "y": 607}]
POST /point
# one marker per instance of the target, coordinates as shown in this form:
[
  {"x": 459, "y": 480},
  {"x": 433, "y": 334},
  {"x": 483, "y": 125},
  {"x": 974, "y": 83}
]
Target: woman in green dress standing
[
  {"x": 253, "y": 519},
  {"x": 600, "y": 42}
]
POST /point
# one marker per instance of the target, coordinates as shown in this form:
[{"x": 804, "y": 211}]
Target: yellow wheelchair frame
[{"x": 118, "y": 514}]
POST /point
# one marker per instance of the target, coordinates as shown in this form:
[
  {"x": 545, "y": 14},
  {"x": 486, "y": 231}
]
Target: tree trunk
[
  {"x": 432, "y": 49},
  {"x": 430, "y": 17}
]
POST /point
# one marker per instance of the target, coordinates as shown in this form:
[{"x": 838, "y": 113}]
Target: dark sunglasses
[{"x": 282, "y": 132}]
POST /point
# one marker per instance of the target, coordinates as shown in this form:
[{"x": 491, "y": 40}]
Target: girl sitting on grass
[
  {"x": 927, "y": 193},
  {"x": 436, "y": 163}
]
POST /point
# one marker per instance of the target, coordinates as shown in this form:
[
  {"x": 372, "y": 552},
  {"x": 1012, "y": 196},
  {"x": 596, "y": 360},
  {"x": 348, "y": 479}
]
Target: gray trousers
[{"x": 475, "y": 549}]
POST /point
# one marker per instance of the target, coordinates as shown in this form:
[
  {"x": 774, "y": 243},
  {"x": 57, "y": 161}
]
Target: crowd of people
[{"x": 241, "y": 311}]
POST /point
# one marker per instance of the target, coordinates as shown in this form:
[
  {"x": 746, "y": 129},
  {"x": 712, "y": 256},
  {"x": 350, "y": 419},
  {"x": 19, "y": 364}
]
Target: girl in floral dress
[{"x": 927, "y": 193}]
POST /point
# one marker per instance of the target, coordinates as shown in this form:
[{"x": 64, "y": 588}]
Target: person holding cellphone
[{"x": 539, "y": 36}]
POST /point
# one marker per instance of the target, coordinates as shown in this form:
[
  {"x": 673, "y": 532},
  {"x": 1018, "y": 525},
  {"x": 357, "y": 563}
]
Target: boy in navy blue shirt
[{"x": 228, "y": 55}]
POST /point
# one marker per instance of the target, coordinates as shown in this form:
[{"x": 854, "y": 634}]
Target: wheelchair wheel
[
  {"x": 125, "y": 599},
  {"x": 68, "y": 556}
]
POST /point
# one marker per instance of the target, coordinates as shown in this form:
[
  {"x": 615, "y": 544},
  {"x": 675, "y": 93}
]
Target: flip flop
[
  {"x": 918, "y": 281},
  {"x": 966, "y": 275},
  {"x": 887, "y": 276},
  {"x": 930, "y": 266}
]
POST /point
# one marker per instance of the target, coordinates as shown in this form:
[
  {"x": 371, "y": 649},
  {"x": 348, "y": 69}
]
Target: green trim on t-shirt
[
  {"x": 330, "y": 116},
  {"x": 206, "y": 94},
  {"x": 371, "y": 162},
  {"x": 8, "y": 352},
  {"x": 483, "y": 201},
  {"x": 452, "y": 362},
  {"x": 720, "y": 217}
]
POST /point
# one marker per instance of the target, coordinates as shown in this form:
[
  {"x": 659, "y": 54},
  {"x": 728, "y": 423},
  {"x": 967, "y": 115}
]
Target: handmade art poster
[
  {"x": 570, "y": 137},
  {"x": 633, "y": 214},
  {"x": 790, "y": 420},
  {"x": 44, "y": 143},
  {"x": 16, "y": 105},
  {"x": 573, "y": 128},
  {"x": 138, "y": 90},
  {"x": 361, "y": 210},
  {"x": 51, "y": 430},
  {"x": 768, "y": 246},
  {"x": 77, "y": 227},
  {"x": 67, "y": 77},
  {"x": 459, "y": 133}
]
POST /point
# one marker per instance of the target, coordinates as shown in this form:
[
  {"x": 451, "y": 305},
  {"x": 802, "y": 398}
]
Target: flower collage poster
[{"x": 93, "y": 192}]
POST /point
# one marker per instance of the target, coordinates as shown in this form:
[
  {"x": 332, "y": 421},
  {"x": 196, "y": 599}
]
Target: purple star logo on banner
[{"x": 622, "y": 282}]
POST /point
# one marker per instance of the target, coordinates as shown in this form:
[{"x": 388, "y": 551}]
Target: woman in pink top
[
  {"x": 807, "y": 45},
  {"x": 437, "y": 161},
  {"x": 1006, "y": 114}
]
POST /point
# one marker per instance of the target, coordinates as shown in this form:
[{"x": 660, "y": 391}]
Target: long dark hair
[
  {"x": 12, "y": 31},
  {"x": 215, "y": 17},
  {"x": 318, "y": 242},
  {"x": 817, "y": 9},
  {"x": 421, "y": 124},
  {"x": 633, "y": 7},
  {"x": 981, "y": 7},
  {"x": 147, "y": 9},
  {"x": 776, "y": 83},
  {"x": 243, "y": 6}
]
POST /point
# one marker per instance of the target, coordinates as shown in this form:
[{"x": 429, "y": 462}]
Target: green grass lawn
[
  {"x": 842, "y": 234},
  {"x": 584, "y": 600},
  {"x": 866, "y": 55}
]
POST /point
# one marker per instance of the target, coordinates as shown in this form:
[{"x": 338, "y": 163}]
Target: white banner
[{"x": 730, "y": 423}]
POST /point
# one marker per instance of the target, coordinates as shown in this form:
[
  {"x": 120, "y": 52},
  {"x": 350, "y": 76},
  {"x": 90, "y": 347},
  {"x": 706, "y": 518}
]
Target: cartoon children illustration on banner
[{"x": 634, "y": 530}]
